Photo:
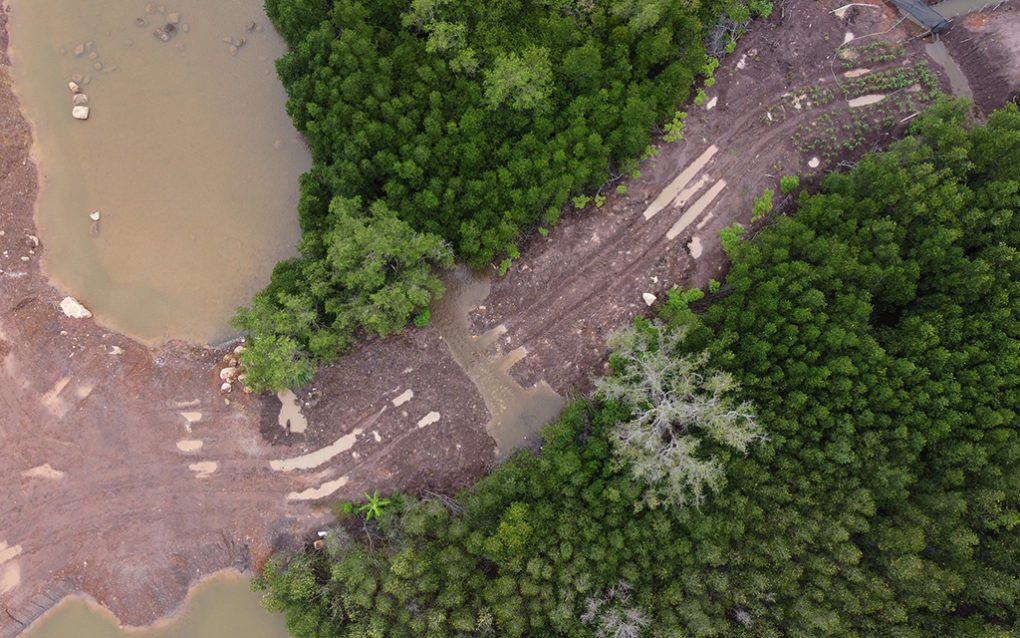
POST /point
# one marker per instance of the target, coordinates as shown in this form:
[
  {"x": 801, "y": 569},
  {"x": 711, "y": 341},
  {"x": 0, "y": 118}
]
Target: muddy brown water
[
  {"x": 517, "y": 414},
  {"x": 188, "y": 154},
  {"x": 220, "y": 606},
  {"x": 958, "y": 82}
]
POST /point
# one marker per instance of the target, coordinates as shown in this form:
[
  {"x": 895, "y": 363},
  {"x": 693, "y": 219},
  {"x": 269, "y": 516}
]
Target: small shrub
[
  {"x": 422, "y": 318},
  {"x": 543, "y": 231},
  {"x": 580, "y": 201},
  {"x": 700, "y": 98},
  {"x": 789, "y": 183},
  {"x": 621, "y": 189},
  {"x": 599, "y": 201},
  {"x": 713, "y": 286},
  {"x": 505, "y": 266},
  {"x": 731, "y": 46},
  {"x": 762, "y": 205},
  {"x": 731, "y": 238}
]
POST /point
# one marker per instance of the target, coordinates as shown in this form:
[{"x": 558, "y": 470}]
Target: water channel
[
  {"x": 221, "y": 606},
  {"x": 187, "y": 155}
]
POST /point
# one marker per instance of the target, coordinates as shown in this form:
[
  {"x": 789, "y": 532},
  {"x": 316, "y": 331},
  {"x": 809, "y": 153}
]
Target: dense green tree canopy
[
  {"x": 875, "y": 334},
  {"x": 469, "y": 120}
]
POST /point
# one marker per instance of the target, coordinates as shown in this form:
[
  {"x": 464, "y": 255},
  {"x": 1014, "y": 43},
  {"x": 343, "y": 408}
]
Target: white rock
[
  {"x": 649, "y": 298},
  {"x": 79, "y": 99},
  {"x": 74, "y": 87},
  {"x": 80, "y": 112},
  {"x": 226, "y": 387},
  {"x": 95, "y": 215},
  {"x": 228, "y": 373},
  {"x": 116, "y": 350},
  {"x": 73, "y": 309}
]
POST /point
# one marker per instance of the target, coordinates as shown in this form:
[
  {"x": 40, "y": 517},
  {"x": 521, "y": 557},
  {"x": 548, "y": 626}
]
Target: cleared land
[{"x": 103, "y": 486}]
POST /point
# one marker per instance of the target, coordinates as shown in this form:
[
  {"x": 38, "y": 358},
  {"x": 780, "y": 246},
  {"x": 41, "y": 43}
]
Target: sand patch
[
  {"x": 52, "y": 401},
  {"x": 8, "y": 552},
  {"x": 695, "y": 211},
  {"x": 192, "y": 417},
  {"x": 856, "y": 73},
  {"x": 204, "y": 469},
  {"x": 406, "y": 396},
  {"x": 10, "y": 578},
  {"x": 290, "y": 413},
  {"x": 44, "y": 471},
  {"x": 695, "y": 247},
  {"x": 314, "y": 493},
  {"x": 190, "y": 445},
  {"x": 318, "y": 457},
  {"x": 669, "y": 193},
  {"x": 865, "y": 100},
  {"x": 429, "y": 419}
]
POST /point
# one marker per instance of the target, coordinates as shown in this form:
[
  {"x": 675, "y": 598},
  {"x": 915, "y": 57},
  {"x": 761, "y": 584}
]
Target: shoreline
[{"x": 173, "y": 616}]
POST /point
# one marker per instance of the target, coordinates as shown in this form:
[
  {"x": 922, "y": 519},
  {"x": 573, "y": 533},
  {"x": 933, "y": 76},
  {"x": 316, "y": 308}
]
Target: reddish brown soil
[
  {"x": 987, "y": 48},
  {"x": 131, "y": 525}
]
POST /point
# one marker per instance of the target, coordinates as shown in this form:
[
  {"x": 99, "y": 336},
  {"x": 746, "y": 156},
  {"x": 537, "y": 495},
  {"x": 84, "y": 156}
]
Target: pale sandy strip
[
  {"x": 696, "y": 209},
  {"x": 669, "y": 193}
]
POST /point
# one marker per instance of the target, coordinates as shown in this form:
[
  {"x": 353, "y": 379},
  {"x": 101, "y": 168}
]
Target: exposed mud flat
[{"x": 169, "y": 206}]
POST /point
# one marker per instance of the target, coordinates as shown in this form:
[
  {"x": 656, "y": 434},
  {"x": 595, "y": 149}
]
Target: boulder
[
  {"x": 649, "y": 298},
  {"x": 95, "y": 215},
  {"x": 226, "y": 387},
  {"x": 73, "y": 309},
  {"x": 80, "y": 112},
  {"x": 79, "y": 99},
  {"x": 228, "y": 373},
  {"x": 74, "y": 87}
]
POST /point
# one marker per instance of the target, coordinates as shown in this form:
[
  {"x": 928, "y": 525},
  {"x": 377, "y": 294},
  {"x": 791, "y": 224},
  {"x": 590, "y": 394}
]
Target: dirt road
[{"x": 126, "y": 474}]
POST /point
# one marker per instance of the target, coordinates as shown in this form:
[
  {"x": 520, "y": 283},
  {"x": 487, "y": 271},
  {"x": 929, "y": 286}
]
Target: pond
[
  {"x": 221, "y": 606},
  {"x": 188, "y": 158}
]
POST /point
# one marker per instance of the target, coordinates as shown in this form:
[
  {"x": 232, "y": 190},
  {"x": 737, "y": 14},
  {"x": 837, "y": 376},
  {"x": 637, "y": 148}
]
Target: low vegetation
[
  {"x": 466, "y": 124},
  {"x": 830, "y": 449}
]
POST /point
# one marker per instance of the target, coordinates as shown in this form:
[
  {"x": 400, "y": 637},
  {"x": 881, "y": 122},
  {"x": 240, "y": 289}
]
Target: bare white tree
[
  {"x": 612, "y": 616},
  {"x": 676, "y": 403}
]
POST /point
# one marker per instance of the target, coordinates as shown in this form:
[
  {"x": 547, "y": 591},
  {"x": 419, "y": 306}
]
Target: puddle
[
  {"x": 516, "y": 414},
  {"x": 222, "y": 605},
  {"x": 315, "y": 493},
  {"x": 696, "y": 209},
  {"x": 290, "y": 413},
  {"x": 204, "y": 469},
  {"x": 187, "y": 155},
  {"x": 320, "y": 456},
  {"x": 958, "y": 82},
  {"x": 44, "y": 471},
  {"x": 865, "y": 100},
  {"x": 670, "y": 192}
]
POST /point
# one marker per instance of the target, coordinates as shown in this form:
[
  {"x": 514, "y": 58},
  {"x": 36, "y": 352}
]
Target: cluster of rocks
[
  {"x": 79, "y": 101},
  {"x": 231, "y": 371},
  {"x": 234, "y": 44},
  {"x": 171, "y": 22}
]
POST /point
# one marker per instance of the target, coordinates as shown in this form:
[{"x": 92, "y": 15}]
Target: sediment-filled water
[{"x": 188, "y": 155}]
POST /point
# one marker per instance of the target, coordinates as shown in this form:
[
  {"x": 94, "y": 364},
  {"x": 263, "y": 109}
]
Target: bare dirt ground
[{"x": 127, "y": 476}]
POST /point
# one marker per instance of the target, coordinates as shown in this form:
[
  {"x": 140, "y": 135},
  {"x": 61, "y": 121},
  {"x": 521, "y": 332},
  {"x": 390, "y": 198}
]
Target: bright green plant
[
  {"x": 422, "y": 318},
  {"x": 373, "y": 506},
  {"x": 789, "y": 183},
  {"x": 763, "y": 204}
]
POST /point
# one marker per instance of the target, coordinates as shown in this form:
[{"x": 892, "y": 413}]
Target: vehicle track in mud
[{"x": 130, "y": 524}]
